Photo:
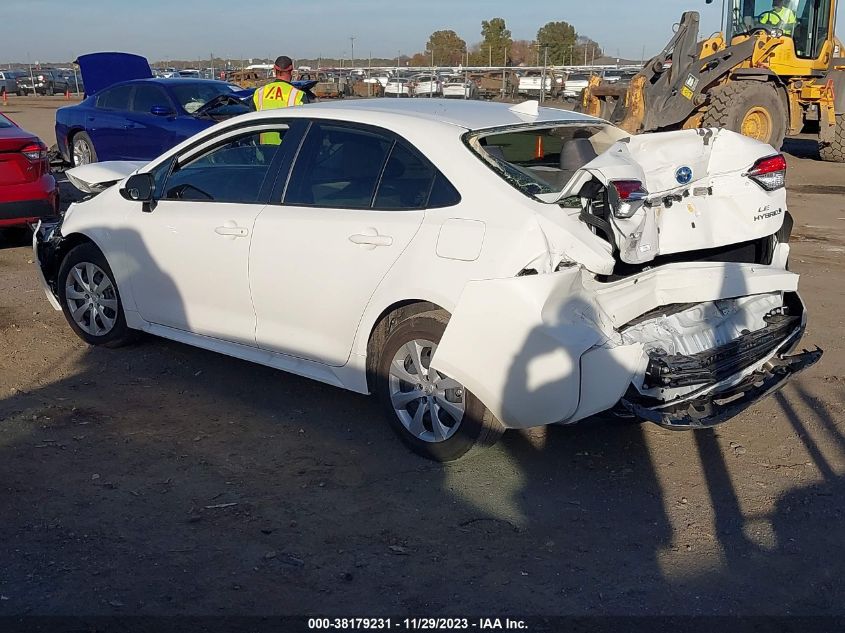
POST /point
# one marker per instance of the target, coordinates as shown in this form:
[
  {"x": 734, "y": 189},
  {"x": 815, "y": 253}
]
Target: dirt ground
[{"x": 163, "y": 479}]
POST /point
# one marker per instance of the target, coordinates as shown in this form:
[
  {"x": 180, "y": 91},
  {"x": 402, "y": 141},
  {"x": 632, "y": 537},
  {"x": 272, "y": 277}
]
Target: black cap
[{"x": 283, "y": 62}]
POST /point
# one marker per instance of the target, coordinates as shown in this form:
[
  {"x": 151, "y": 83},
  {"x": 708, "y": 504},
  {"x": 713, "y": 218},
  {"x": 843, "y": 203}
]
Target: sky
[{"x": 193, "y": 29}]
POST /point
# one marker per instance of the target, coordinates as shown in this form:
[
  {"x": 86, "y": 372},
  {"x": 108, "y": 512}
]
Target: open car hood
[
  {"x": 97, "y": 177},
  {"x": 101, "y": 70}
]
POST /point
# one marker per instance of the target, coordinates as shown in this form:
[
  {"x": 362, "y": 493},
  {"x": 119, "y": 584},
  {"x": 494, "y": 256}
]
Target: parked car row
[{"x": 46, "y": 81}]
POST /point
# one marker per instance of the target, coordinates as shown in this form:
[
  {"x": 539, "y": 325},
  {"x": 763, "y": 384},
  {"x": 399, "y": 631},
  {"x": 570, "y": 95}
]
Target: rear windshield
[
  {"x": 578, "y": 77},
  {"x": 4, "y": 122},
  {"x": 542, "y": 159}
]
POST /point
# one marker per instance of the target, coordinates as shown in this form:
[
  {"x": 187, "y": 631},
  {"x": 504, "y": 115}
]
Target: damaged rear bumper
[
  {"x": 684, "y": 345},
  {"x": 715, "y": 408}
]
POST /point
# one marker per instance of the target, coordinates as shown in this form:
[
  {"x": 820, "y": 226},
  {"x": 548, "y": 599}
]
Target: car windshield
[
  {"x": 192, "y": 96},
  {"x": 542, "y": 159}
]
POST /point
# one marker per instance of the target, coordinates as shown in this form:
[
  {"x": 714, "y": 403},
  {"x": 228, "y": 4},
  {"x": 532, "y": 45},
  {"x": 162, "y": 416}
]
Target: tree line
[{"x": 558, "y": 40}]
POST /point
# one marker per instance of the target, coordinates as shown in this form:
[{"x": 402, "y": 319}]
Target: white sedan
[
  {"x": 477, "y": 266},
  {"x": 399, "y": 87}
]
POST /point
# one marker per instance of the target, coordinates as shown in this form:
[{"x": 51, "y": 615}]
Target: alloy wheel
[
  {"x": 82, "y": 154},
  {"x": 430, "y": 405},
  {"x": 91, "y": 298}
]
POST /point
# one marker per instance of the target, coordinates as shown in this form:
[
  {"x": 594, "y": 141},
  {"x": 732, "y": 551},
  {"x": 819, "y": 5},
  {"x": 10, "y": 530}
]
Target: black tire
[
  {"x": 119, "y": 334},
  {"x": 20, "y": 93},
  {"x": 477, "y": 429},
  {"x": 51, "y": 90},
  {"x": 835, "y": 151},
  {"x": 732, "y": 103},
  {"x": 82, "y": 136}
]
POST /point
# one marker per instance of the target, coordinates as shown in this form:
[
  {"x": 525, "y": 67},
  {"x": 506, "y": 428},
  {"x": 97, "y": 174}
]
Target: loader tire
[
  {"x": 752, "y": 108},
  {"x": 835, "y": 152}
]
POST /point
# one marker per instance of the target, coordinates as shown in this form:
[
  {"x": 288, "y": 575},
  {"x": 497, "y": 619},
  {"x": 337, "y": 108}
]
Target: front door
[{"x": 191, "y": 252}]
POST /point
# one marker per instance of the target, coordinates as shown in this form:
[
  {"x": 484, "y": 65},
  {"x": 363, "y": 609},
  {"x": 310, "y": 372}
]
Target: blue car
[{"x": 129, "y": 115}]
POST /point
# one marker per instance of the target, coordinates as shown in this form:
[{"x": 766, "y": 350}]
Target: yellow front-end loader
[{"x": 776, "y": 67}]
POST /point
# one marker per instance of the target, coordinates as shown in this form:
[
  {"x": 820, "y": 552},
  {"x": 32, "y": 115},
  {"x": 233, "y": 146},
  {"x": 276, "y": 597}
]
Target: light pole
[{"x": 352, "y": 47}]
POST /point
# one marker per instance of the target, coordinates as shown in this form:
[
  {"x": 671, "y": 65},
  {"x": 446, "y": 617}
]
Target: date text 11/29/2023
[{"x": 416, "y": 624}]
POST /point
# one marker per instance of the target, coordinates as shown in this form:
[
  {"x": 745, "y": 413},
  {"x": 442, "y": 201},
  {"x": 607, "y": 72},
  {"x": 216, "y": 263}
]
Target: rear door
[
  {"x": 354, "y": 200},
  {"x": 106, "y": 124}
]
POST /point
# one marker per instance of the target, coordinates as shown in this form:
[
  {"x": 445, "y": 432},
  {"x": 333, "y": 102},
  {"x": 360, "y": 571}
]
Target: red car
[{"x": 27, "y": 188}]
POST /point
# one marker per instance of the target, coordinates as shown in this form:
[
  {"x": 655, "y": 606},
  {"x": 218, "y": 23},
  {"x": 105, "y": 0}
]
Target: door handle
[
  {"x": 232, "y": 231},
  {"x": 370, "y": 238}
]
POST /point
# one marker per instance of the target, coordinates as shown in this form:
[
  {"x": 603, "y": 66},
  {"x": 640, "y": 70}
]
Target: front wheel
[
  {"x": 89, "y": 298},
  {"x": 433, "y": 414}
]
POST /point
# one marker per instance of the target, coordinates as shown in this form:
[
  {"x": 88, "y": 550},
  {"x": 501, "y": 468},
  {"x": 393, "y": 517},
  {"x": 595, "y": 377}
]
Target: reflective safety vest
[
  {"x": 783, "y": 18},
  {"x": 277, "y": 94}
]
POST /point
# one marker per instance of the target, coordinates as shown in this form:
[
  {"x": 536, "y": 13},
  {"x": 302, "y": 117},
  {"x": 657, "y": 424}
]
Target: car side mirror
[
  {"x": 139, "y": 188},
  {"x": 159, "y": 110}
]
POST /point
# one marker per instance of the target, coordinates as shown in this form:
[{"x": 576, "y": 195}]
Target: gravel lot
[{"x": 163, "y": 479}]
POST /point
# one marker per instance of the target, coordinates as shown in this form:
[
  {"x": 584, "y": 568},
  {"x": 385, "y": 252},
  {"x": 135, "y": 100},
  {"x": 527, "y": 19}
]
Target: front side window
[
  {"x": 148, "y": 96},
  {"x": 233, "y": 171}
]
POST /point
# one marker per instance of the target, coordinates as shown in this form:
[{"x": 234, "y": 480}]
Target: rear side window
[
  {"x": 115, "y": 98},
  {"x": 406, "y": 181},
  {"x": 148, "y": 96},
  {"x": 338, "y": 167}
]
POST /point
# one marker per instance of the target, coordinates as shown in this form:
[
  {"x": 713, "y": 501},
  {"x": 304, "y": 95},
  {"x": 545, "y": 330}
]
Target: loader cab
[{"x": 811, "y": 30}]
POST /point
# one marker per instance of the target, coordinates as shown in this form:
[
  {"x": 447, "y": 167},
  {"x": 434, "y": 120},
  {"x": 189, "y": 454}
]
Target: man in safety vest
[
  {"x": 280, "y": 93},
  {"x": 780, "y": 17}
]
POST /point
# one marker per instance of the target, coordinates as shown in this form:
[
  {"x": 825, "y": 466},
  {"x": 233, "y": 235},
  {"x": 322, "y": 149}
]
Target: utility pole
[
  {"x": 490, "y": 63},
  {"x": 504, "y": 63},
  {"x": 543, "y": 79},
  {"x": 352, "y": 46}
]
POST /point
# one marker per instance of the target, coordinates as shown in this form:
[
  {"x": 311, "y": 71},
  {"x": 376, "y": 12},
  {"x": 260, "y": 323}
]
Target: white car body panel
[
  {"x": 189, "y": 264},
  {"x": 544, "y": 326},
  {"x": 307, "y": 297},
  {"x": 714, "y": 214},
  {"x": 95, "y": 177},
  {"x": 334, "y": 261}
]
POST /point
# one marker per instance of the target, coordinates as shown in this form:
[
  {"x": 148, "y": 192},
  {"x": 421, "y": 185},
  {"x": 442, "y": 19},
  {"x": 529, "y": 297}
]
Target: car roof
[{"x": 471, "y": 115}]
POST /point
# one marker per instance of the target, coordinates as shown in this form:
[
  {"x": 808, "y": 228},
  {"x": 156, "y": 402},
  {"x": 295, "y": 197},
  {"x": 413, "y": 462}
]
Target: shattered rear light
[
  {"x": 629, "y": 189},
  {"x": 769, "y": 172},
  {"x": 623, "y": 194}
]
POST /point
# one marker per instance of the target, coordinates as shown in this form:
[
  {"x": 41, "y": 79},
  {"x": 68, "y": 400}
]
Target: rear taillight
[
  {"x": 769, "y": 172},
  {"x": 35, "y": 152},
  {"x": 624, "y": 194}
]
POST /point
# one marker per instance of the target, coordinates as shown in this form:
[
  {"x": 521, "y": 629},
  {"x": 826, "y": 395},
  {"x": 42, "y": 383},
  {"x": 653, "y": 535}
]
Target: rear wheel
[
  {"x": 433, "y": 414},
  {"x": 89, "y": 298},
  {"x": 835, "y": 151},
  {"x": 82, "y": 150},
  {"x": 752, "y": 108}
]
